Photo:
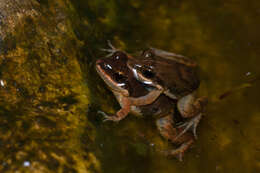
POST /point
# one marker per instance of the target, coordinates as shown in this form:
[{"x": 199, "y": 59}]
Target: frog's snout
[{"x": 98, "y": 62}]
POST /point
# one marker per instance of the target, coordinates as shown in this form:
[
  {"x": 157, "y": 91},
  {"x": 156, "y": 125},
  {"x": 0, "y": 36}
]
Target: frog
[
  {"x": 175, "y": 76},
  {"x": 138, "y": 98}
]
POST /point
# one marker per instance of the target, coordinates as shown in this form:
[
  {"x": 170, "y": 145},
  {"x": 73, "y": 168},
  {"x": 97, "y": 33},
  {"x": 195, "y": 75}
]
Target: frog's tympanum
[{"x": 155, "y": 83}]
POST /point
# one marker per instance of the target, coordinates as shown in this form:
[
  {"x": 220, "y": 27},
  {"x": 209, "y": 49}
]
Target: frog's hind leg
[
  {"x": 175, "y": 57},
  {"x": 166, "y": 128},
  {"x": 164, "y": 53},
  {"x": 189, "y": 107}
]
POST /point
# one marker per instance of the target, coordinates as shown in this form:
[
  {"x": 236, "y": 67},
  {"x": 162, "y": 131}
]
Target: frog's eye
[
  {"x": 119, "y": 55},
  {"x": 119, "y": 78},
  {"x": 148, "y": 73},
  {"x": 148, "y": 54}
]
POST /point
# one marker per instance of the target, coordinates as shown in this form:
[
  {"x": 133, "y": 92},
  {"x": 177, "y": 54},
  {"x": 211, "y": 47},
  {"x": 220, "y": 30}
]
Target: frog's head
[
  {"x": 114, "y": 71},
  {"x": 165, "y": 71},
  {"x": 144, "y": 68}
]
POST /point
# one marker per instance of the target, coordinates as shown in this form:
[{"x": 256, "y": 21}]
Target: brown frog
[
  {"x": 175, "y": 76},
  {"x": 144, "y": 99}
]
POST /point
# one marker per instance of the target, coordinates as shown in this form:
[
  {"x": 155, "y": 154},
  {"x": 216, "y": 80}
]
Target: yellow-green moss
[{"x": 44, "y": 98}]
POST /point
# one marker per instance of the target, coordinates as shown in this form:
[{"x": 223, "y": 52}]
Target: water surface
[{"x": 223, "y": 37}]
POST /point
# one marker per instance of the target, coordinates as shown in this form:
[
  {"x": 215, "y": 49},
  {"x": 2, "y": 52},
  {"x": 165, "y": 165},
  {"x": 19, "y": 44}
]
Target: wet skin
[
  {"x": 138, "y": 97},
  {"x": 175, "y": 76}
]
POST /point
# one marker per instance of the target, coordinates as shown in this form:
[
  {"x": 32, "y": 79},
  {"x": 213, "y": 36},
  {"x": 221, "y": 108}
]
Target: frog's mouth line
[
  {"x": 142, "y": 78},
  {"x": 139, "y": 76},
  {"x": 109, "y": 81}
]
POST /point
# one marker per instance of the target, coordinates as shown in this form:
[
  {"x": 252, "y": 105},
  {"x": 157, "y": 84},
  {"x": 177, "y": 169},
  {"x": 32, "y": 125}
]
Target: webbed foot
[{"x": 179, "y": 152}]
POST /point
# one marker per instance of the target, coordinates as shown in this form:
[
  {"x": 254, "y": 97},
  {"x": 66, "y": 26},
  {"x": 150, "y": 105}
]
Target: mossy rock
[{"x": 43, "y": 95}]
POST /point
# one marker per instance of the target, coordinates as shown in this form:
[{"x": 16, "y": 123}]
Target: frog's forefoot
[
  {"x": 191, "y": 124},
  {"x": 109, "y": 117}
]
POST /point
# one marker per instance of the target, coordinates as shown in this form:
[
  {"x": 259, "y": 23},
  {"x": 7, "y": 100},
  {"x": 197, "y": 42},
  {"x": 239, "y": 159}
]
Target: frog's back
[{"x": 179, "y": 78}]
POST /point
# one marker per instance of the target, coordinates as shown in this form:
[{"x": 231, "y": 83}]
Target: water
[{"x": 223, "y": 38}]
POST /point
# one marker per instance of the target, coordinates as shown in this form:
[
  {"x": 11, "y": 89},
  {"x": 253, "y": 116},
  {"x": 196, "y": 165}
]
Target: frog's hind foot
[
  {"x": 191, "y": 124},
  {"x": 179, "y": 152},
  {"x": 172, "y": 153},
  {"x": 111, "y": 49},
  {"x": 167, "y": 129},
  {"x": 190, "y": 107}
]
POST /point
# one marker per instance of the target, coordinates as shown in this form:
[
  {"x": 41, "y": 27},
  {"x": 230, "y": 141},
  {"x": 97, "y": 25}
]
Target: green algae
[{"x": 44, "y": 98}]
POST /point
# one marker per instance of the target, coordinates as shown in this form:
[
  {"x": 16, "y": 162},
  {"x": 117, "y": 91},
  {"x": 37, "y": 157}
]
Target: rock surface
[{"x": 43, "y": 99}]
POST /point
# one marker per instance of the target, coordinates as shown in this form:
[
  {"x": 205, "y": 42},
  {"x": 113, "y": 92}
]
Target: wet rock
[{"x": 43, "y": 102}]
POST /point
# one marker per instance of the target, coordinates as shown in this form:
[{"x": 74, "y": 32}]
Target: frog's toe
[
  {"x": 110, "y": 52},
  {"x": 180, "y": 156},
  {"x": 102, "y": 113},
  {"x": 107, "y": 117},
  {"x": 111, "y": 49},
  {"x": 110, "y": 118},
  {"x": 179, "y": 152},
  {"x": 172, "y": 153},
  {"x": 191, "y": 124}
]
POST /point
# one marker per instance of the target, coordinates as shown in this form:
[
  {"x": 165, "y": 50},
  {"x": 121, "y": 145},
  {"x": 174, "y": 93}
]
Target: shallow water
[{"x": 223, "y": 37}]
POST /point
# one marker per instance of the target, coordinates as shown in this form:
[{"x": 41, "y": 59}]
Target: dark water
[{"x": 223, "y": 37}]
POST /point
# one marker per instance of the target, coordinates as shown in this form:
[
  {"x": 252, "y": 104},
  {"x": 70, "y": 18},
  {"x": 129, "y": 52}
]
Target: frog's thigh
[
  {"x": 189, "y": 106},
  {"x": 167, "y": 129}
]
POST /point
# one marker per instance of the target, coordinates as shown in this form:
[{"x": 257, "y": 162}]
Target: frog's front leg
[
  {"x": 121, "y": 114},
  {"x": 189, "y": 107},
  {"x": 166, "y": 128},
  {"x": 127, "y": 102},
  {"x": 147, "y": 99}
]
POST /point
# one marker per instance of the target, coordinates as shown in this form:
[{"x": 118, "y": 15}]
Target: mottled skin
[
  {"x": 175, "y": 76},
  {"x": 139, "y": 98}
]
